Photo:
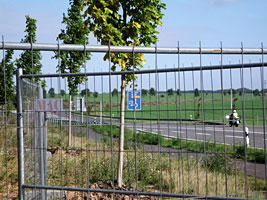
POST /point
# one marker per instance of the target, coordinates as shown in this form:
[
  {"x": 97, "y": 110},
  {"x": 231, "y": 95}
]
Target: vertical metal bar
[
  {"x": 180, "y": 118},
  {"x": 158, "y": 116},
  {"x": 263, "y": 116},
  {"x": 40, "y": 141},
  {"x": 203, "y": 116},
  {"x": 244, "y": 121},
  {"x": 253, "y": 127},
  {"x": 196, "y": 141},
  {"x": 110, "y": 119},
  {"x": 222, "y": 95},
  {"x": 20, "y": 135},
  {"x": 5, "y": 118},
  {"x": 214, "y": 130},
  {"x": 134, "y": 124}
]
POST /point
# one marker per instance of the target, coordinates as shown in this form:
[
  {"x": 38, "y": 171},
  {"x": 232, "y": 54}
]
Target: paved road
[{"x": 218, "y": 133}]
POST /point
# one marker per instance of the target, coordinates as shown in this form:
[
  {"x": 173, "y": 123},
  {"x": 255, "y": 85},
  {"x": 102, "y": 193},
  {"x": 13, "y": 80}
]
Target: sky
[{"x": 186, "y": 21}]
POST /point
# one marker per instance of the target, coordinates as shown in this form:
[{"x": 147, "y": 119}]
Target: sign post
[{"x": 134, "y": 100}]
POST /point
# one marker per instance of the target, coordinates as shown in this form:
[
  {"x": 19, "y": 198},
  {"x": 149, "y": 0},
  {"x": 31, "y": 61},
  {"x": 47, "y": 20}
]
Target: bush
[{"x": 217, "y": 162}]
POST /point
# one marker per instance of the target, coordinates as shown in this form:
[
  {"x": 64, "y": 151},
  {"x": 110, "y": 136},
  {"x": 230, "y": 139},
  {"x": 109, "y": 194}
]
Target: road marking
[
  {"x": 202, "y": 134},
  {"x": 177, "y": 131},
  {"x": 234, "y": 136}
]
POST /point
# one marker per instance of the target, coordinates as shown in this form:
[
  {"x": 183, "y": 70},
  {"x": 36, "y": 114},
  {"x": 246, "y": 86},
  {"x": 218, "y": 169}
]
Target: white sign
[
  {"x": 79, "y": 103},
  {"x": 49, "y": 105}
]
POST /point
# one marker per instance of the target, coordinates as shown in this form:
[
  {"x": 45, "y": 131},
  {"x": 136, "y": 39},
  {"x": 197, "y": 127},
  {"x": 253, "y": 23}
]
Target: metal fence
[{"x": 179, "y": 145}]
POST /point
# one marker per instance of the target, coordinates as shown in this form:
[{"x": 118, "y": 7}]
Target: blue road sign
[{"x": 134, "y": 100}]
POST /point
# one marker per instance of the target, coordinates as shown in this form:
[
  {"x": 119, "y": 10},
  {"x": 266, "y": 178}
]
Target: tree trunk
[
  {"x": 69, "y": 138},
  {"x": 121, "y": 141}
]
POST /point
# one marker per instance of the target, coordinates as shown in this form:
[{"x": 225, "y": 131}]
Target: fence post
[
  {"x": 20, "y": 136},
  {"x": 40, "y": 144}
]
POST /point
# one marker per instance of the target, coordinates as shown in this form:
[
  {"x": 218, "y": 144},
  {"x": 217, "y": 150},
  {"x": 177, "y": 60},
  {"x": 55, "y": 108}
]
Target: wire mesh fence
[{"x": 181, "y": 143}]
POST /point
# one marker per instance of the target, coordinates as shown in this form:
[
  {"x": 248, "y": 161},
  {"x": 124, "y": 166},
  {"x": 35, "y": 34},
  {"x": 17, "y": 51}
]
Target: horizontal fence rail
[
  {"x": 127, "y": 49},
  {"x": 182, "y": 69}
]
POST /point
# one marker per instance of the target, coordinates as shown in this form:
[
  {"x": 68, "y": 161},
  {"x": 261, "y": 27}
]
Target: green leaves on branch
[
  {"x": 124, "y": 23},
  {"x": 7, "y": 72},
  {"x": 29, "y": 60},
  {"x": 75, "y": 32}
]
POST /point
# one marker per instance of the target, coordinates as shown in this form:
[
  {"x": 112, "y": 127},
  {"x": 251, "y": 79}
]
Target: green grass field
[{"x": 186, "y": 106}]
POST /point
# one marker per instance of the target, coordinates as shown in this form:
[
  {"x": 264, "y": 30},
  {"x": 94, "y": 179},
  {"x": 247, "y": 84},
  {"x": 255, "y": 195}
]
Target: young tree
[
  {"x": 51, "y": 92},
  {"x": 233, "y": 92},
  {"x": 178, "y": 92},
  {"x": 256, "y": 92},
  {"x": 30, "y": 61},
  {"x": 95, "y": 94},
  {"x": 124, "y": 23},
  {"x": 75, "y": 32},
  {"x": 170, "y": 92},
  {"x": 144, "y": 92},
  {"x": 115, "y": 92},
  {"x": 152, "y": 92},
  {"x": 84, "y": 91},
  {"x": 7, "y": 86},
  {"x": 62, "y": 92},
  {"x": 196, "y": 92}
]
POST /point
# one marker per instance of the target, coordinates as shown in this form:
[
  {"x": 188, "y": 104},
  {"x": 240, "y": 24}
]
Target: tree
[
  {"x": 241, "y": 92},
  {"x": 178, "y": 92},
  {"x": 197, "y": 115},
  {"x": 170, "y": 92},
  {"x": 84, "y": 91},
  {"x": 95, "y": 94},
  {"x": 256, "y": 92},
  {"x": 124, "y": 23},
  {"x": 51, "y": 92},
  {"x": 75, "y": 32},
  {"x": 152, "y": 92},
  {"x": 30, "y": 61},
  {"x": 233, "y": 92},
  {"x": 7, "y": 86},
  {"x": 62, "y": 92},
  {"x": 196, "y": 92},
  {"x": 115, "y": 92},
  {"x": 144, "y": 92}
]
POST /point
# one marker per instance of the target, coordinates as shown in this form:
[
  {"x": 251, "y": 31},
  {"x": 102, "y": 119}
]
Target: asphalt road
[{"x": 212, "y": 133}]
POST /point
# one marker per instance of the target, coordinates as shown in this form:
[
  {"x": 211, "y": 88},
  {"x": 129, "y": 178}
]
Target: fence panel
[{"x": 180, "y": 144}]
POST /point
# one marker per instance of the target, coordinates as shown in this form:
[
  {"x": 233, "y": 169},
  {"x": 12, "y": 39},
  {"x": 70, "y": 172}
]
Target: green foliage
[
  {"x": 51, "y": 92},
  {"x": 178, "y": 92},
  {"x": 196, "y": 92},
  {"x": 170, "y": 92},
  {"x": 256, "y": 92},
  {"x": 218, "y": 162},
  {"x": 7, "y": 86},
  {"x": 95, "y": 94},
  {"x": 240, "y": 92},
  {"x": 197, "y": 115},
  {"x": 29, "y": 60},
  {"x": 115, "y": 92},
  {"x": 234, "y": 103},
  {"x": 144, "y": 92},
  {"x": 152, "y": 92},
  {"x": 234, "y": 92},
  {"x": 84, "y": 91},
  {"x": 75, "y": 32},
  {"x": 124, "y": 23},
  {"x": 62, "y": 92},
  {"x": 107, "y": 107}
]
